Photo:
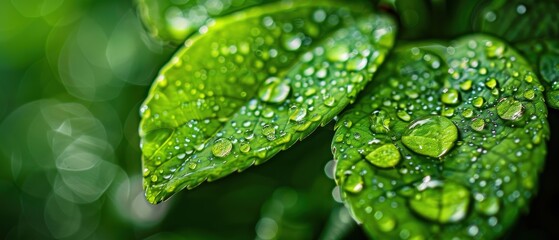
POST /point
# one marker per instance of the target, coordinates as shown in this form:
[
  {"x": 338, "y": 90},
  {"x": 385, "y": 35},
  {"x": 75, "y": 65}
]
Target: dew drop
[
  {"x": 298, "y": 114},
  {"x": 510, "y": 109},
  {"x": 380, "y": 121},
  {"x": 431, "y": 136},
  {"x": 222, "y": 147},
  {"x": 292, "y": 43},
  {"x": 451, "y": 97},
  {"x": 244, "y": 147},
  {"x": 339, "y": 53},
  {"x": 478, "y": 125},
  {"x": 353, "y": 183},
  {"x": 385, "y": 156},
  {"x": 274, "y": 90},
  {"x": 269, "y": 132},
  {"x": 444, "y": 204}
]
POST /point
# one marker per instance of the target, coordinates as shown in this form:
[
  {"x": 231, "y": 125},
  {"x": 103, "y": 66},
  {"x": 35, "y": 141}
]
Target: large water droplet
[
  {"x": 451, "y": 97},
  {"x": 292, "y": 43},
  {"x": 431, "y": 136},
  {"x": 385, "y": 156},
  {"x": 353, "y": 183},
  {"x": 298, "y": 114},
  {"x": 489, "y": 206},
  {"x": 269, "y": 132},
  {"x": 222, "y": 147},
  {"x": 380, "y": 121},
  {"x": 339, "y": 53},
  {"x": 274, "y": 90},
  {"x": 443, "y": 204},
  {"x": 510, "y": 109},
  {"x": 386, "y": 222}
]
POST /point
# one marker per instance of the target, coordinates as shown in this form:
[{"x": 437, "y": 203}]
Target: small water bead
[
  {"x": 478, "y": 125},
  {"x": 491, "y": 83},
  {"x": 269, "y": 132},
  {"x": 404, "y": 116},
  {"x": 244, "y": 147},
  {"x": 478, "y": 102},
  {"x": 385, "y": 156},
  {"x": 450, "y": 96},
  {"x": 521, "y": 9},
  {"x": 339, "y": 53},
  {"x": 222, "y": 147},
  {"x": 353, "y": 183},
  {"x": 510, "y": 109},
  {"x": 385, "y": 221},
  {"x": 298, "y": 114},
  {"x": 530, "y": 94},
  {"x": 489, "y": 206},
  {"x": 357, "y": 64},
  {"x": 443, "y": 204},
  {"x": 292, "y": 43},
  {"x": 431, "y": 136},
  {"x": 380, "y": 121},
  {"x": 329, "y": 101},
  {"x": 274, "y": 90}
]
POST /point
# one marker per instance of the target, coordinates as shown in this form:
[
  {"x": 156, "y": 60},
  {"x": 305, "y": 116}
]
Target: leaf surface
[
  {"x": 533, "y": 28},
  {"x": 476, "y": 93},
  {"x": 253, "y": 85}
]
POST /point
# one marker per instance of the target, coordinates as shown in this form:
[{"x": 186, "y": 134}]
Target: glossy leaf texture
[
  {"x": 533, "y": 27},
  {"x": 254, "y": 84},
  {"x": 173, "y": 20},
  {"x": 446, "y": 142}
]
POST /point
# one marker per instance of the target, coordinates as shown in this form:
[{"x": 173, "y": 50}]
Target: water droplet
[
  {"x": 385, "y": 156},
  {"x": 274, "y": 90},
  {"x": 269, "y": 132},
  {"x": 386, "y": 222},
  {"x": 380, "y": 122},
  {"x": 353, "y": 183},
  {"x": 299, "y": 114},
  {"x": 292, "y": 43},
  {"x": 403, "y": 115},
  {"x": 521, "y": 9},
  {"x": 473, "y": 230},
  {"x": 492, "y": 83},
  {"x": 468, "y": 113},
  {"x": 192, "y": 165},
  {"x": 530, "y": 94},
  {"x": 489, "y": 206},
  {"x": 466, "y": 85},
  {"x": 357, "y": 64},
  {"x": 444, "y": 204},
  {"x": 451, "y": 97},
  {"x": 431, "y": 136},
  {"x": 478, "y": 102},
  {"x": 510, "y": 109},
  {"x": 222, "y": 147},
  {"x": 339, "y": 53},
  {"x": 244, "y": 147},
  {"x": 478, "y": 125},
  {"x": 329, "y": 101}
]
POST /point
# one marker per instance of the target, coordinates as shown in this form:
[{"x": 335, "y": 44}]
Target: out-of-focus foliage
[{"x": 73, "y": 75}]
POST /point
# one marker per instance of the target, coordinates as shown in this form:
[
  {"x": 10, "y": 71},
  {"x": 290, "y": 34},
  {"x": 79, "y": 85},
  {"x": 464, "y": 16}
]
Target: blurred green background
[{"x": 72, "y": 76}]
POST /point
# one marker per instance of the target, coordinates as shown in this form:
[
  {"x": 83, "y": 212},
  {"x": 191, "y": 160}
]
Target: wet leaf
[
  {"x": 532, "y": 27},
  {"x": 172, "y": 21},
  {"x": 474, "y": 163},
  {"x": 253, "y": 85}
]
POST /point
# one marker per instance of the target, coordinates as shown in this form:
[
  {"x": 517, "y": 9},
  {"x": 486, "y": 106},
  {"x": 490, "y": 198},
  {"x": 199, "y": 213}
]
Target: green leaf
[
  {"x": 172, "y": 20},
  {"x": 253, "y": 85},
  {"x": 533, "y": 27},
  {"x": 468, "y": 167},
  {"x": 544, "y": 56}
]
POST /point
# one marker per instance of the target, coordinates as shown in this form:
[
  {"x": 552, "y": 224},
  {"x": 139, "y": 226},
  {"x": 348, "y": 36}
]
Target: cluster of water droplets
[
  {"x": 212, "y": 112},
  {"x": 454, "y": 139}
]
